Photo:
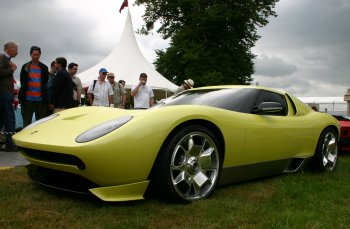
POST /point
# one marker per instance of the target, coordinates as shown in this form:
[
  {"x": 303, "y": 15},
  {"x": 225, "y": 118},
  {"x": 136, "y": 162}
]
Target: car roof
[{"x": 241, "y": 86}]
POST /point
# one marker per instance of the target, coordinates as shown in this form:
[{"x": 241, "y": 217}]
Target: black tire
[
  {"x": 189, "y": 166},
  {"x": 326, "y": 155}
]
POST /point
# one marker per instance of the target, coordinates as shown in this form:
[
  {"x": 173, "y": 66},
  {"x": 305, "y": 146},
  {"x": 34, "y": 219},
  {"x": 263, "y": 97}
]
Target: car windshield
[{"x": 234, "y": 99}]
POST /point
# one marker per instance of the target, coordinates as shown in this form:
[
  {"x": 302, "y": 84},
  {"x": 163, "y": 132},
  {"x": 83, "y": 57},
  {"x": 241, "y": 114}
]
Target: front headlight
[
  {"x": 41, "y": 121},
  {"x": 102, "y": 129}
]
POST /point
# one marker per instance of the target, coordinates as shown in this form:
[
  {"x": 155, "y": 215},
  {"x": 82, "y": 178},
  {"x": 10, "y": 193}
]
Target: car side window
[{"x": 269, "y": 96}]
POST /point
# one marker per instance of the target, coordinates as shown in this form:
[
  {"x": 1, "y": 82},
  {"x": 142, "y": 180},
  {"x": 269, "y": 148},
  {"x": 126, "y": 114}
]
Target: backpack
[{"x": 92, "y": 94}]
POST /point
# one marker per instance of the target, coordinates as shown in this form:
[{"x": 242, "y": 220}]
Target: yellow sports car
[{"x": 182, "y": 148}]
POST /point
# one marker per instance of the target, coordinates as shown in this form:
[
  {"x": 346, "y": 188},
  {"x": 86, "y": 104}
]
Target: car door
[{"x": 272, "y": 136}]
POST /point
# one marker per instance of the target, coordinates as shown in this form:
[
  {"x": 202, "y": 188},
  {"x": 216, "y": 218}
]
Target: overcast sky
[{"x": 305, "y": 50}]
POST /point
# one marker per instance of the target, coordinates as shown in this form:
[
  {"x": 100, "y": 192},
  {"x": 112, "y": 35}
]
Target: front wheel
[
  {"x": 189, "y": 166},
  {"x": 326, "y": 155}
]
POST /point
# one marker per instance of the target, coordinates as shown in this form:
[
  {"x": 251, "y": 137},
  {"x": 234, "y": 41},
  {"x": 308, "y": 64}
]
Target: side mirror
[{"x": 270, "y": 108}]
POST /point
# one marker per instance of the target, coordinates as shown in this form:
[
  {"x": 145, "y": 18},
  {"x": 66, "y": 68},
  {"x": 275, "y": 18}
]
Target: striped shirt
[{"x": 34, "y": 83}]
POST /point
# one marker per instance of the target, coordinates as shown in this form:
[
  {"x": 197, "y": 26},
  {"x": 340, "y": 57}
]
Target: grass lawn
[{"x": 300, "y": 200}]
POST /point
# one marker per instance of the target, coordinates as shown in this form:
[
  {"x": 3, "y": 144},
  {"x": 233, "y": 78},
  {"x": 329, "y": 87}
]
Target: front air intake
[{"x": 54, "y": 157}]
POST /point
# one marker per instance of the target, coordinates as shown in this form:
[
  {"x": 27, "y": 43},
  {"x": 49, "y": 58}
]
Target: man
[
  {"x": 7, "y": 115},
  {"x": 143, "y": 94},
  {"x": 62, "y": 97},
  {"x": 100, "y": 91},
  {"x": 187, "y": 84},
  {"x": 78, "y": 87},
  {"x": 122, "y": 82},
  {"x": 33, "y": 93},
  {"x": 119, "y": 96}
]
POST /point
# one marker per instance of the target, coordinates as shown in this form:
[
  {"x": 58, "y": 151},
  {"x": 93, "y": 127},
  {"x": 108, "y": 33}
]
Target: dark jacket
[
  {"x": 6, "y": 74},
  {"x": 62, "y": 96},
  {"x": 24, "y": 81}
]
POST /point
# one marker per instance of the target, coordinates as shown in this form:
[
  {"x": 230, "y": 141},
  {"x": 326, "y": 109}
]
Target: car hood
[{"x": 63, "y": 129}]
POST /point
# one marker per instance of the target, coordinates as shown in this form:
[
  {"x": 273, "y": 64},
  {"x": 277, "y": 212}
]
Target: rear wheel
[
  {"x": 189, "y": 166},
  {"x": 326, "y": 155}
]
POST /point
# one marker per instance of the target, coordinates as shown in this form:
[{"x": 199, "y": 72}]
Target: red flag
[{"x": 124, "y": 4}]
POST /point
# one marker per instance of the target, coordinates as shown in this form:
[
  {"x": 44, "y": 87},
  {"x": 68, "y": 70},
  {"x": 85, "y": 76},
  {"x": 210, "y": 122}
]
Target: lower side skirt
[{"x": 265, "y": 169}]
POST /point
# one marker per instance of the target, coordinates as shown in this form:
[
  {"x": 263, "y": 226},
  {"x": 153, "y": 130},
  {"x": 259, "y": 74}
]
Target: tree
[{"x": 211, "y": 40}]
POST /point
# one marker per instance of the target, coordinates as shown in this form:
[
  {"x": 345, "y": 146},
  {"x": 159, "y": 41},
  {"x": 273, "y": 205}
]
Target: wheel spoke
[
  {"x": 181, "y": 177},
  {"x": 190, "y": 144},
  {"x": 179, "y": 158},
  {"x": 331, "y": 158},
  {"x": 176, "y": 168},
  {"x": 193, "y": 149},
  {"x": 332, "y": 145},
  {"x": 205, "y": 159},
  {"x": 325, "y": 161},
  {"x": 179, "y": 148},
  {"x": 197, "y": 190}
]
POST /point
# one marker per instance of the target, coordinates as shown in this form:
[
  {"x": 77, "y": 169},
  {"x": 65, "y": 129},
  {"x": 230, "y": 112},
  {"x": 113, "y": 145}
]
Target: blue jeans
[{"x": 7, "y": 116}]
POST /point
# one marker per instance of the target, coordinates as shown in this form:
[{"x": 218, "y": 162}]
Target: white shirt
[
  {"x": 143, "y": 96},
  {"x": 101, "y": 92},
  {"x": 180, "y": 89}
]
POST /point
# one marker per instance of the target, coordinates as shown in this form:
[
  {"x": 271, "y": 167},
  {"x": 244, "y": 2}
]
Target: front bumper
[{"x": 74, "y": 183}]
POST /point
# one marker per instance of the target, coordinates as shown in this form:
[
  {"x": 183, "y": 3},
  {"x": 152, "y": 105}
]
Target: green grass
[{"x": 300, "y": 200}]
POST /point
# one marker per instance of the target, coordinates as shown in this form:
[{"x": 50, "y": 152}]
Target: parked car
[
  {"x": 344, "y": 141},
  {"x": 182, "y": 148}
]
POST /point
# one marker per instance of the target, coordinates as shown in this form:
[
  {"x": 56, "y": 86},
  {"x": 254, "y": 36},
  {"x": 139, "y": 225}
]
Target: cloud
[
  {"x": 273, "y": 66},
  {"x": 306, "y": 49},
  {"x": 84, "y": 32},
  {"x": 301, "y": 86},
  {"x": 311, "y": 39}
]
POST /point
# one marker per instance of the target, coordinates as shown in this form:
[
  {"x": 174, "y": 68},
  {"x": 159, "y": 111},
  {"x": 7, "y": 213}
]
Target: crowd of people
[{"x": 45, "y": 91}]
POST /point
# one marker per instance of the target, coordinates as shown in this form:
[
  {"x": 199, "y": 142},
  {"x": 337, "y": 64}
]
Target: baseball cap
[{"x": 103, "y": 70}]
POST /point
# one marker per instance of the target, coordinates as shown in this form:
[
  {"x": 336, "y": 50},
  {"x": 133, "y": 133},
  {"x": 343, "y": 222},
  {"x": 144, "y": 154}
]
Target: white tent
[{"x": 127, "y": 62}]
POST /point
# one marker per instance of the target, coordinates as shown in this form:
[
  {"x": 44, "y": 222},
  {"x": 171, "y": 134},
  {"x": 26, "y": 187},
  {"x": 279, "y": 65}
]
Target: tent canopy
[{"x": 126, "y": 61}]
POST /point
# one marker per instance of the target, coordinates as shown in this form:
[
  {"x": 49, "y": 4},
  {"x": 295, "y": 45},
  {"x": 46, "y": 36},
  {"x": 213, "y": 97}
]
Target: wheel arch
[
  {"x": 211, "y": 126},
  {"x": 336, "y": 129},
  {"x": 332, "y": 127},
  {"x": 326, "y": 127}
]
